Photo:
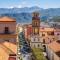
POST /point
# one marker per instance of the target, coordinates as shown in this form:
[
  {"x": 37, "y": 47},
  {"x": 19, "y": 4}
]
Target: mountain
[
  {"x": 25, "y": 14},
  {"x": 19, "y": 10},
  {"x": 20, "y": 17}
]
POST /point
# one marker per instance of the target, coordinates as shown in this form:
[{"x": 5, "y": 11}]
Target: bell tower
[
  {"x": 35, "y": 23},
  {"x": 35, "y": 38}
]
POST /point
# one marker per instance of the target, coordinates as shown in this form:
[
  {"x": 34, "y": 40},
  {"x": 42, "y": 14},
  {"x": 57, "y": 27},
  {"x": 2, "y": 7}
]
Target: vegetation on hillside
[{"x": 56, "y": 19}]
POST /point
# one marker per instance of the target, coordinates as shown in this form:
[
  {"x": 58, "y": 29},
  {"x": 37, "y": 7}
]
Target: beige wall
[
  {"x": 51, "y": 55},
  {"x": 35, "y": 41},
  {"x": 47, "y": 37},
  {"x": 56, "y": 57},
  {"x": 11, "y": 40},
  {"x": 56, "y": 34},
  {"x": 7, "y": 41},
  {"x": 11, "y": 25},
  {"x": 35, "y": 45}
]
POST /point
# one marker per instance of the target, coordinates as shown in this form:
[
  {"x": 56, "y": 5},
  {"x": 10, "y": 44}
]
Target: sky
[{"x": 29, "y": 3}]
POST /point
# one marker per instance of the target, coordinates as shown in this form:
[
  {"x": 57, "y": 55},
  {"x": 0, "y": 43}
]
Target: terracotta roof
[
  {"x": 7, "y": 48},
  {"x": 7, "y": 19},
  {"x": 47, "y": 29},
  {"x": 55, "y": 46}
]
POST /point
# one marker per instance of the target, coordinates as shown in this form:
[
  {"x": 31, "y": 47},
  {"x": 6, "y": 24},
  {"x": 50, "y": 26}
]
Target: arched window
[{"x": 36, "y": 23}]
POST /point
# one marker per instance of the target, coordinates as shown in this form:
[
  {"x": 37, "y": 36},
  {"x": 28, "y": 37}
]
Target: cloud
[
  {"x": 11, "y": 7},
  {"x": 23, "y": 4},
  {"x": 19, "y": 6}
]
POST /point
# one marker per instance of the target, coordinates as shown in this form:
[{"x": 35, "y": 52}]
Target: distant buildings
[
  {"x": 8, "y": 47},
  {"x": 45, "y": 37},
  {"x": 55, "y": 25}
]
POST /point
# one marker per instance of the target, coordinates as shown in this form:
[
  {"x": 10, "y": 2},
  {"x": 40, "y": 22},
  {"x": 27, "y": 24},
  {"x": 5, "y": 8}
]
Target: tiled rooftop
[
  {"x": 7, "y": 48},
  {"x": 7, "y": 19},
  {"x": 55, "y": 46},
  {"x": 58, "y": 53}
]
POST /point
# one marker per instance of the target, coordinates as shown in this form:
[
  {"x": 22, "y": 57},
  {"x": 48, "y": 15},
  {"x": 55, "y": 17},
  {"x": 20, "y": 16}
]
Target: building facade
[
  {"x": 8, "y": 42},
  {"x": 53, "y": 50}
]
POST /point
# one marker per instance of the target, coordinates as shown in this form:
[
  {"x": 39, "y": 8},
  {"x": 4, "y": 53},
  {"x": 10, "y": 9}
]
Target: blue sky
[{"x": 29, "y": 3}]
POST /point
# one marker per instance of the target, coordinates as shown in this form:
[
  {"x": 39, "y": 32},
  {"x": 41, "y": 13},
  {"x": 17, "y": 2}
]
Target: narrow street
[{"x": 24, "y": 51}]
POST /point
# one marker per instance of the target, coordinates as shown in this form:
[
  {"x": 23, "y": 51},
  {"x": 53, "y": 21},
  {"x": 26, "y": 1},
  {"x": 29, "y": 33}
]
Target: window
[
  {"x": 53, "y": 38},
  {"x": 43, "y": 34},
  {"x": 58, "y": 34},
  {"x": 12, "y": 57},
  {"x": 38, "y": 45},
  {"x": 50, "y": 33},
  {"x": 7, "y": 40},
  {"x": 44, "y": 48},
  {"x": 6, "y": 30},
  {"x": 44, "y": 41},
  {"x": 36, "y": 23}
]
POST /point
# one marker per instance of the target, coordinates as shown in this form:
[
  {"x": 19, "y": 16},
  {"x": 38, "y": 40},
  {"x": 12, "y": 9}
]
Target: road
[{"x": 24, "y": 50}]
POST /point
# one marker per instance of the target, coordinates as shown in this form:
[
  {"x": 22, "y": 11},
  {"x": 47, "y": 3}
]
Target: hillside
[{"x": 25, "y": 14}]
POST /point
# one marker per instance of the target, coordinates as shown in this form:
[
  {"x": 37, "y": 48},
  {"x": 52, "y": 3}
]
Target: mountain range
[{"x": 25, "y": 14}]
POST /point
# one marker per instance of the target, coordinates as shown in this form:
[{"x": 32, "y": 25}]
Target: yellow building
[{"x": 8, "y": 47}]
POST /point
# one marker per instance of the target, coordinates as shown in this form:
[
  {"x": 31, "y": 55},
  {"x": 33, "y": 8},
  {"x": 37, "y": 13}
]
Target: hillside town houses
[
  {"x": 37, "y": 36},
  {"x": 44, "y": 37}
]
